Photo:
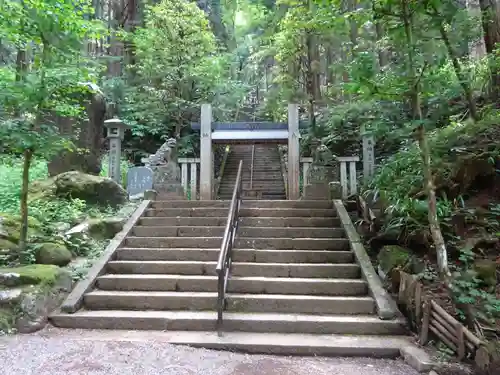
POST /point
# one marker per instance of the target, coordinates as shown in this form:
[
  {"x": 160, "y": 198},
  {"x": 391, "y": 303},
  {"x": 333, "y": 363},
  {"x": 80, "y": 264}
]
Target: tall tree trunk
[
  {"x": 383, "y": 58},
  {"x": 460, "y": 75},
  {"x": 23, "y": 237},
  {"x": 414, "y": 81},
  {"x": 490, "y": 10},
  {"x": 477, "y": 48},
  {"x": 462, "y": 78},
  {"x": 430, "y": 190}
]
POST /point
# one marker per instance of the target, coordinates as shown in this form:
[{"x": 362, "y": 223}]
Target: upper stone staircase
[
  {"x": 295, "y": 285},
  {"x": 267, "y": 177}
]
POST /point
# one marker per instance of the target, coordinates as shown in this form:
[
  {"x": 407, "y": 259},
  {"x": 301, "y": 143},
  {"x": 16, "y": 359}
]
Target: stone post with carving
[{"x": 116, "y": 132}]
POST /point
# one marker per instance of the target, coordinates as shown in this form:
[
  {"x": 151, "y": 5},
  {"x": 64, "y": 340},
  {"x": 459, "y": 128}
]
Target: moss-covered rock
[
  {"x": 74, "y": 184},
  {"x": 40, "y": 289},
  {"x": 53, "y": 253},
  {"x": 10, "y": 228},
  {"x": 393, "y": 256},
  {"x": 486, "y": 270},
  {"x": 7, "y": 246},
  {"x": 34, "y": 274},
  {"x": 105, "y": 228},
  {"x": 7, "y": 319}
]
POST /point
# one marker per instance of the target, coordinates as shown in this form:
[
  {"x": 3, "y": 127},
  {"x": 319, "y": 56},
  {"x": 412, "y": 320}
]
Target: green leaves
[
  {"x": 177, "y": 67},
  {"x": 49, "y": 36}
]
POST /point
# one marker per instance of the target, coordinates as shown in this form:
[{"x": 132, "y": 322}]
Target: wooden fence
[
  {"x": 425, "y": 316},
  {"x": 430, "y": 318}
]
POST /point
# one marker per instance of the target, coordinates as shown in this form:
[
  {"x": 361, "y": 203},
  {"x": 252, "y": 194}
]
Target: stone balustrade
[{"x": 189, "y": 177}]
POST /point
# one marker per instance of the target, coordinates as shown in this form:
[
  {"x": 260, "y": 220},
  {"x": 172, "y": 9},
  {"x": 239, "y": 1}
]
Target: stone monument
[
  {"x": 116, "y": 133},
  {"x": 166, "y": 172}
]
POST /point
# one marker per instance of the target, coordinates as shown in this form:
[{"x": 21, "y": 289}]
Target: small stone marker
[
  {"x": 116, "y": 132},
  {"x": 139, "y": 179},
  {"x": 368, "y": 157}
]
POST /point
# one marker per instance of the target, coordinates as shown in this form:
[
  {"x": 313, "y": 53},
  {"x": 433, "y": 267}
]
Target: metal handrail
[{"x": 225, "y": 256}]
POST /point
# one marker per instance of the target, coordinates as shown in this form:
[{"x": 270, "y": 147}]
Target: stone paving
[{"x": 74, "y": 352}]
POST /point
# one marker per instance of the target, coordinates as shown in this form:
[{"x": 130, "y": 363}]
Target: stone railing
[
  {"x": 305, "y": 164},
  {"x": 284, "y": 167},
  {"x": 189, "y": 177},
  {"x": 348, "y": 175},
  {"x": 348, "y": 180}
]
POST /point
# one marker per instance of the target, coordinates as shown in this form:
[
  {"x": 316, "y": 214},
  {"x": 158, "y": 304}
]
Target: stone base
[
  {"x": 316, "y": 191},
  {"x": 169, "y": 187},
  {"x": 169, "y": 191},
  {"x": 335, "y": 190},
  {"x": 322, "y": 191}
]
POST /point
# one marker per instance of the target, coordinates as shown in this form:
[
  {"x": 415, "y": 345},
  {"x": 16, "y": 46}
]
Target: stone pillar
[
  {"x": 206, "y": 164},
  {"x": 293, "y": 152},
  {"x": 116, "y": 132},
  {"x": 368, "y": 156}
]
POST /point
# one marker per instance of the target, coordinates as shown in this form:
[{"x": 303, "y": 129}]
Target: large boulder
[
  {"x": 92, "y": 189},
  {"x": 29, "y": 294},
  {"x": 486, "y": 270},
  {"x": 393, "y": 257},
  {"x": 53, "y": 253},
  {"x": 105, "y": 228},
  {"x": 10, "y": 232},
  {"x": 10, "y": 227}
]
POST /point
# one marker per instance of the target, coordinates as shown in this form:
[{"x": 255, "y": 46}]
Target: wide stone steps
[
  {"x": 257, "y": 221},
  {"x": 233, "y": 321},
  {"x": 247, "y": 203},
  {"x": 265, "y": 188},
  {"x": 291, "y": 270},
  {"x": 270, "y": 232},
  {"x": 239, "y": 255},
  {"x": 295, "y": 304},
  {"x": 284, "y": 243},
  {"x": 238, "y": 284},
  {"x": 244, "y": 212},
  {"x": 266, "y": 174},
  {"x": 294, "y": 280}
]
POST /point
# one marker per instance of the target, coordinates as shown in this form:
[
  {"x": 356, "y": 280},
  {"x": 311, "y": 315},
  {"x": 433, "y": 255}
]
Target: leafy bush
[
  {"x": 399, "y": 178},
  {"x": 47, "y": 212},
  {"x": 10, "y": 180}
]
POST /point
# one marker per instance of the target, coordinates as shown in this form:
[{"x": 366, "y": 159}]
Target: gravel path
[{"x": 74, "y": 352}]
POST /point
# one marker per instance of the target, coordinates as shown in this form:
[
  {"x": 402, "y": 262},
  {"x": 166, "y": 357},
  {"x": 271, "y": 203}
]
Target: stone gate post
[
  {"x": 206, "y": 162},
  {"x": 293, "y": 152}
]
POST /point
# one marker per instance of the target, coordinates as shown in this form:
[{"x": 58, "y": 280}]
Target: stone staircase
[
  {"x": 295, "y": 286},
  {"x": 267, "y": 175}
]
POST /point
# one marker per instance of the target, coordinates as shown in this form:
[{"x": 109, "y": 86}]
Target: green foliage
[
  {"x": 469, "y": 289},
  {"x": 51, "y": 214},
  {"x": 48, "y": 36},
  {"x": 10, "y": 180},
  {"x": 176, "y": 68}
]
